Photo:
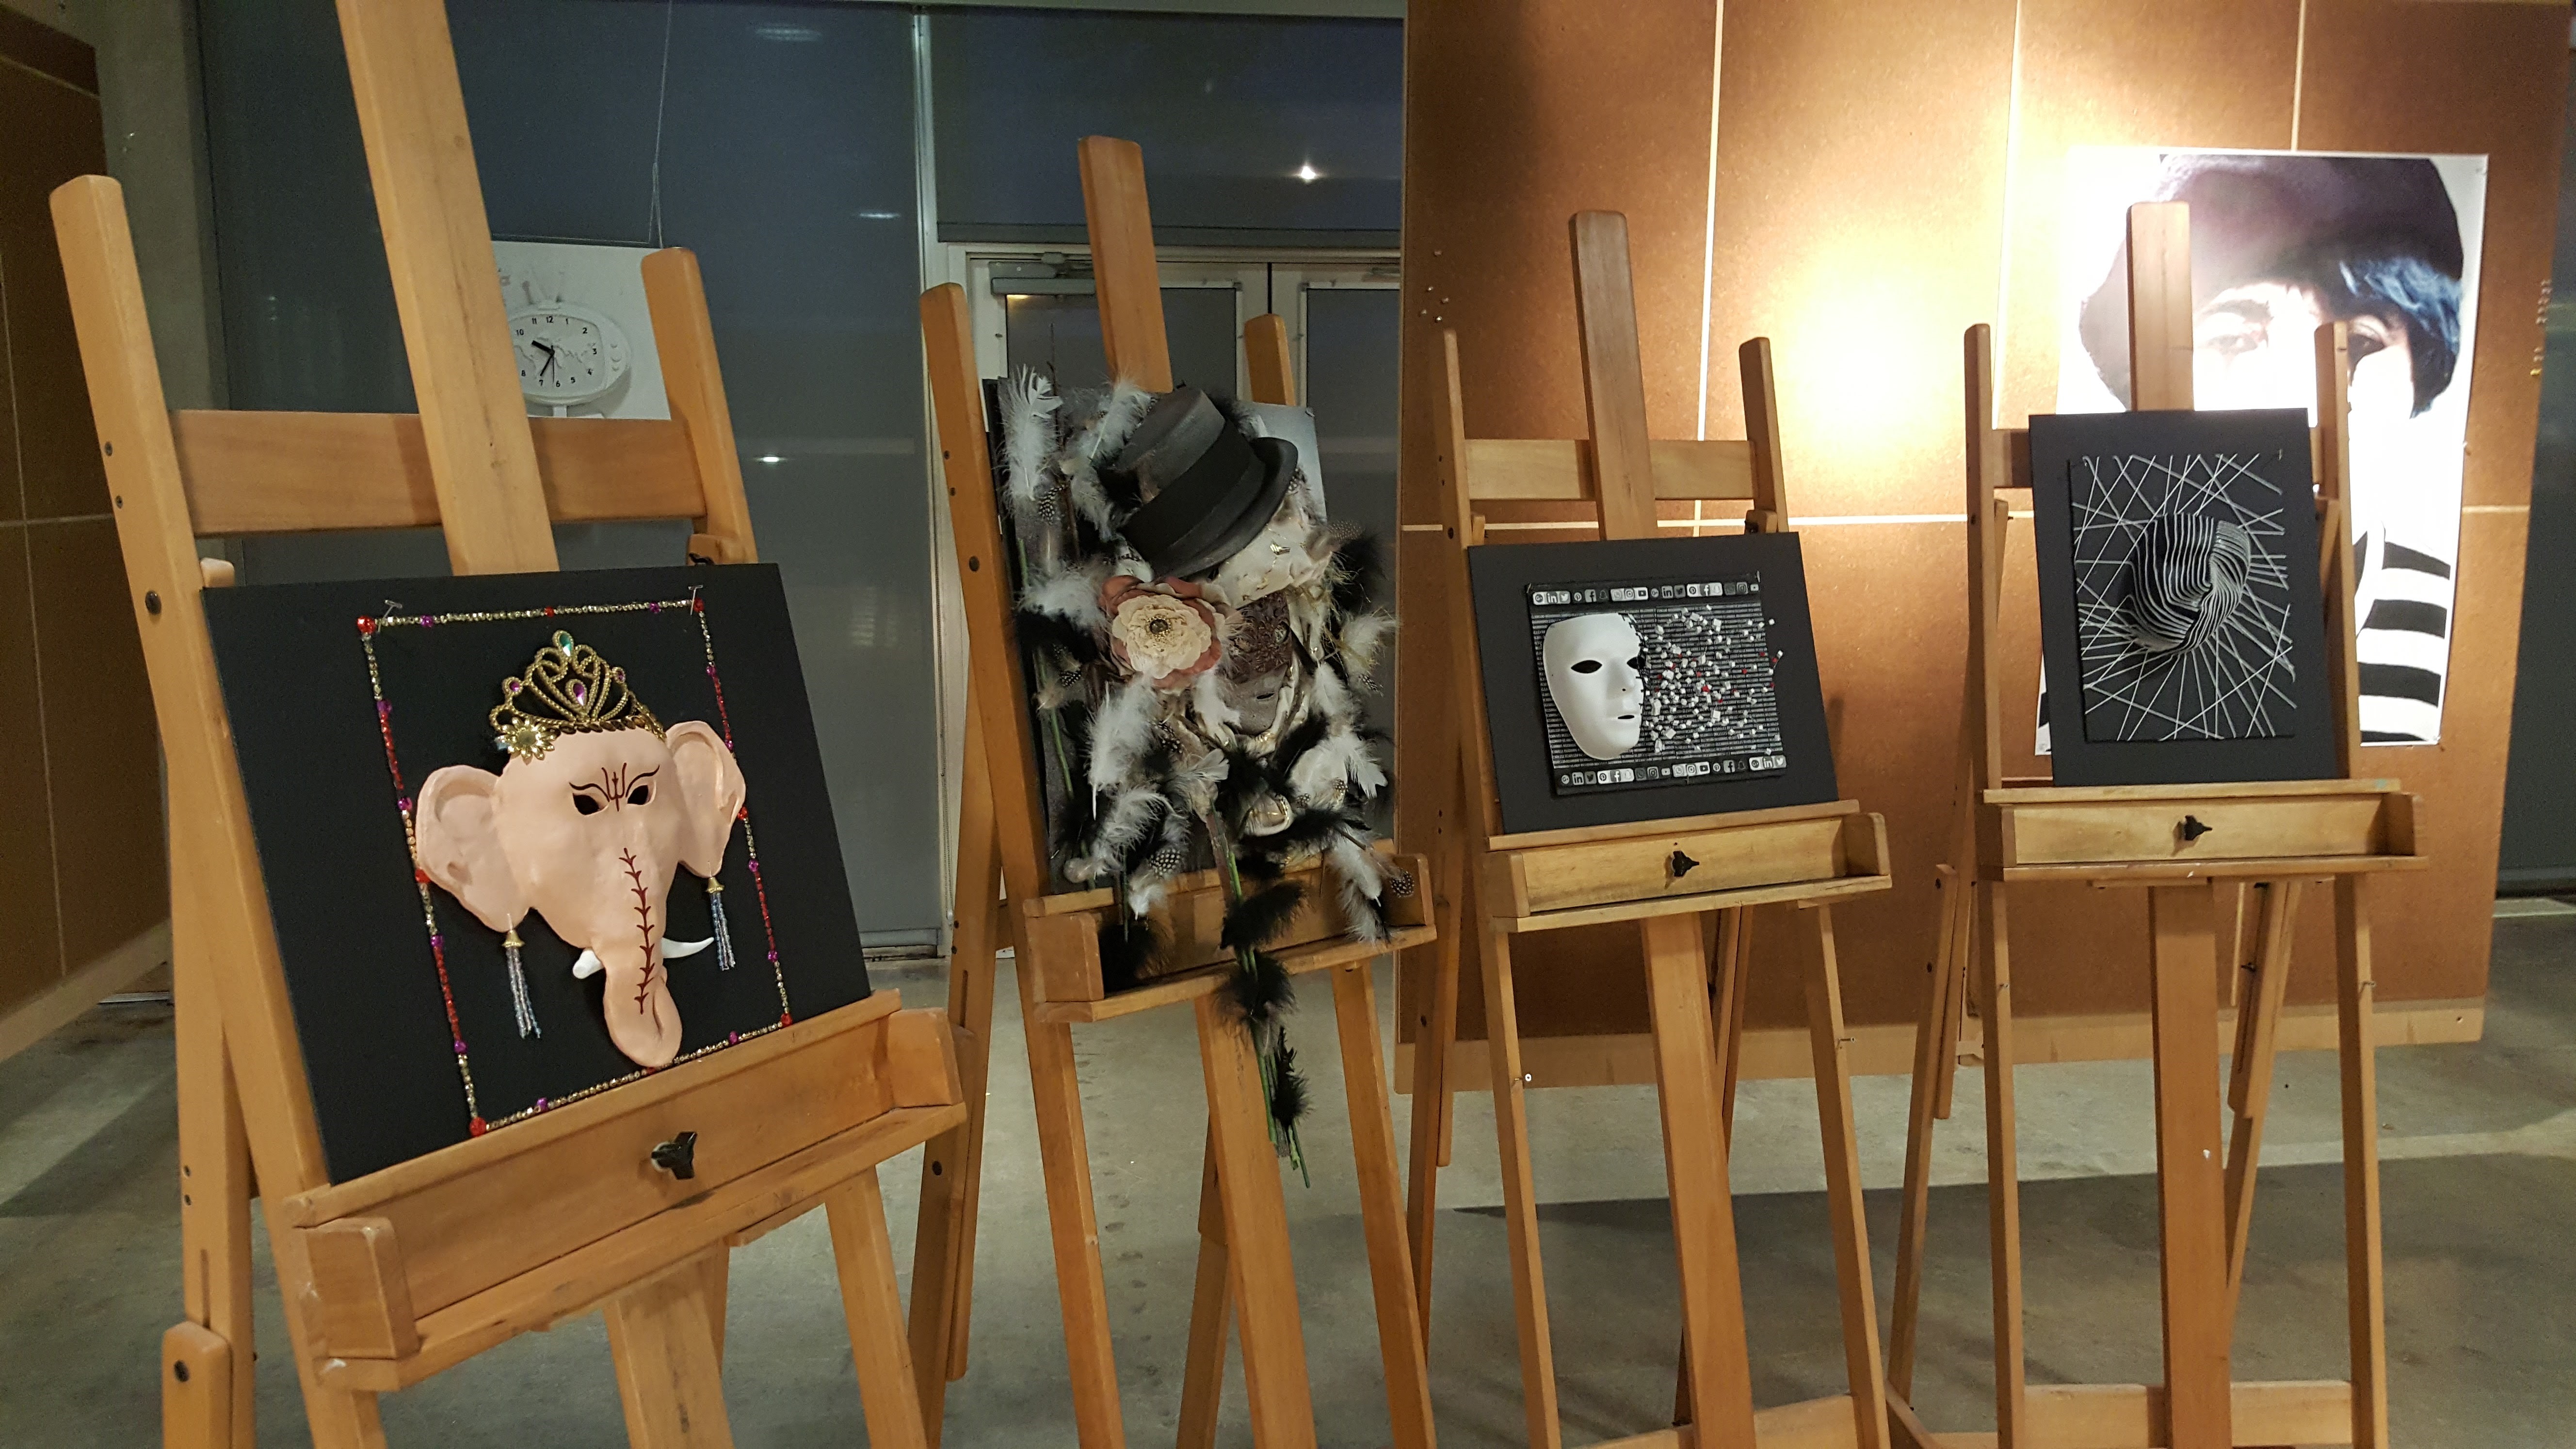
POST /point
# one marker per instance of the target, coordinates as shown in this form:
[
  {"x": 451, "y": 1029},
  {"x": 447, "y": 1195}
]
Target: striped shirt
[{"x": 2403, "y": 607}]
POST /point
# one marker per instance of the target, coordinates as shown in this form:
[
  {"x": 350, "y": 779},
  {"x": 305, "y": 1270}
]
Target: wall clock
[{"x": 569, "y": 354}]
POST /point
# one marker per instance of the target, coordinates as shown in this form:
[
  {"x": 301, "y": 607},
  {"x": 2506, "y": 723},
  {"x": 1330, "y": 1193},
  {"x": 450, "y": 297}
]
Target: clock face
[{"x": 567, "y": 354}]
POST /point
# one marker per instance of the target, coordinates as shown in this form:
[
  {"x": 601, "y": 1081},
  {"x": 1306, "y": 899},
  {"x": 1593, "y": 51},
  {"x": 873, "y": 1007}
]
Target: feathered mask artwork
[{"x": 1198, "y": 639}]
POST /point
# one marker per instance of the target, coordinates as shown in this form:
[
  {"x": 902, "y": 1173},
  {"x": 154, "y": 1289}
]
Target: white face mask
[{"x": 1594, "y": 664}]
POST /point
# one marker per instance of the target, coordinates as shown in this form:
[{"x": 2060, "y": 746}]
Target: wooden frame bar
[{"x": 2273, "y": 835}]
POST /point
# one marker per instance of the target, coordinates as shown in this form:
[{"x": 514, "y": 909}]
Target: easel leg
[
  {"x": 2003, "y": 1173},
  {"x": 715, "y": 1276},
  {"x": 2190, "y": 1201},
  {"x": 1073, "y": 1222},
  {"x": 1256, "y": 1231},
  {"x": 2249, "y": 1089},
  {"x": 1737, "y": 966},
  {"x": 1211, "y": 1316},
  {"x": 1432, "y": 1041},
  {"x": 1731, "y": 953},
  {"x": 943, "y": 1250},
  {"x": 214, "y": 1218},
  {"x": 1913, "y": 1219},
  {"x": 337, "y": 1418},
  {"x": 1832, "y": 1048},
  {"x": 888, "y": 1395},
  {"x": 1520, "y": 1204},
  {"x": 2366, "y": 1292},
  {"x": 666, "y": 1363},
  {"x": 1692, "y": 1102},
  {"x": 1391, "y": 1280}
]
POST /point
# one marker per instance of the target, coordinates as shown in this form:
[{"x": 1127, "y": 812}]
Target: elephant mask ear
[
  {"x": 711, "y": 786},
  {"x": 454, "y": 826}
]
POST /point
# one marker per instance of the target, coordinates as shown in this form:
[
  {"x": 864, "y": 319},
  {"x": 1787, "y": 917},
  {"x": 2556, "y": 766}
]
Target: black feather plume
[
  {"x": 1261, "y": 991},
  {"x": 1129, "y": 947},
  {"x": 1356, "y": 574},
  {"x": 1257, "y": 919},
  {"x": 1040, "y": 631},
  {"x": 1287, "y": 1089}
]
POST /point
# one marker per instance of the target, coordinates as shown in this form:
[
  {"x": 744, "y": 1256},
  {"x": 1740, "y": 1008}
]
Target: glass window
[{"x": 1255, "y": 128}]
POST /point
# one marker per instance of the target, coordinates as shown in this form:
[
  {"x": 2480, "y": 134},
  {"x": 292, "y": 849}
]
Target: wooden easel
[
  {"x": 394, "y": 1276},
  {"x": 1002, "y": 842},
  {"x": 2276, "y": 836},
  {"x": 1809, "y": 855}
]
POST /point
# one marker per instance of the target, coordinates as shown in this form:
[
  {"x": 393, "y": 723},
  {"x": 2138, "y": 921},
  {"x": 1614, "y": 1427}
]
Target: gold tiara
[{"x": 568, "y": 689}]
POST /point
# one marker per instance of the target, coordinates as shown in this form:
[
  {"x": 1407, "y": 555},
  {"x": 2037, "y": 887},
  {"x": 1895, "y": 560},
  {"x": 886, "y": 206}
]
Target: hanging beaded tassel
[
  {"x": 724, "y": 935},
  {"x": 519, "y": 987}
]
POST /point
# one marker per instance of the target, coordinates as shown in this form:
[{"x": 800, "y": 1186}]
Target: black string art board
[
  {"x": 1716, "y": 706},
  {"x": 2180, "y": 615},
  {"x": 329, "y": 780}
]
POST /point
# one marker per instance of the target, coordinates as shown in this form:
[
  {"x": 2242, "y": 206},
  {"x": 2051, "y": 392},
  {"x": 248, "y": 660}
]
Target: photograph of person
[{"x": 2282, "y": 243}]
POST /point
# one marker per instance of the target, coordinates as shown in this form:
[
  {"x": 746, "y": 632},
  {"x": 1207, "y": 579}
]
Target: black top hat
[{"x": 1208, "y": 488}]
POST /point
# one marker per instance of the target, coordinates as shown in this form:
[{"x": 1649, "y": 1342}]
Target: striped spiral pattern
[{"x": 2186, "y": 579}]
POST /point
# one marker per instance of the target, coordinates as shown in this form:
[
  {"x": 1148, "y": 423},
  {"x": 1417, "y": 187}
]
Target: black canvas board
[
  {"x": 2253, "y": 703},
  {"x": 360, "y": 973},
  {"x": 1710, "y": 745}
]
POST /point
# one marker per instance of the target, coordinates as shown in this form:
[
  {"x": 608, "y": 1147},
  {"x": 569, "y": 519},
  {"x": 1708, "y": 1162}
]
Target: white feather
[
  {"x": 1119, "y": 414},
  {"x": 1213, "y": 715},
  {"x": 1363, "y": 639},
  {"x": 1082, "y": 480},
  {"x": 1098, "y": 443},
  {"x": 1195, "y": 781},
  {"x": 1319, "y": 774},
  {"x": 1120, "y": 734},
  {"x": 1071, "y": 594},
  {"x": 1121, "y": 826},
  {"x": 1028, "y": 409},
  {"x": 1332, "y": 699},
  {"x": 1361, "y": 874}
]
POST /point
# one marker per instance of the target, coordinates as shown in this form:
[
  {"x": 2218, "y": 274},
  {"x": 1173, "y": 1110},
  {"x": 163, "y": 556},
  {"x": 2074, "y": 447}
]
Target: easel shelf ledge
[
  {"x": 1209, "y": 980},
  {"x": 579, "y": 1282},
  {"x": 359, "y": 1195}
]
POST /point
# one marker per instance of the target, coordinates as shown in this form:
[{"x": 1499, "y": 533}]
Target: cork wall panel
[
  {"x": 2135, "y": 73},
  {"x": 1842, "y": 127},
  {"x": 1518, "y": 115}
]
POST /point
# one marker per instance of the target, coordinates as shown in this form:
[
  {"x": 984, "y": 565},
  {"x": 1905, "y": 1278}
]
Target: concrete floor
[{"x": 2480, "y": 1201}]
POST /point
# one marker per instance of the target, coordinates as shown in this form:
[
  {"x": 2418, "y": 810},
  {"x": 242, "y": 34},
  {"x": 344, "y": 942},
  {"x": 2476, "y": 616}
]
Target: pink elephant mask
[{"x": 586, "y": 825}]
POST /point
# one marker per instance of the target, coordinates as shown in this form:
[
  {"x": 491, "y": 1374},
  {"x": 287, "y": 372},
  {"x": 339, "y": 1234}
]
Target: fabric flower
[{"x": 1163, "y": 633}]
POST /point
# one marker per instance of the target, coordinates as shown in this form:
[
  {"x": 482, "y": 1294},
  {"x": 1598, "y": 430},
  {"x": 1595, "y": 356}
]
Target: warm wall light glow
[{"x": 1306, "y": 172}]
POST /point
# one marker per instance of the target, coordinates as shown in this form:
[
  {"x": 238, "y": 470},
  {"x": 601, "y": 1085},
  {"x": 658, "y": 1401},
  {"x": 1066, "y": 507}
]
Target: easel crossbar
[{"x": 251, "y": 473}]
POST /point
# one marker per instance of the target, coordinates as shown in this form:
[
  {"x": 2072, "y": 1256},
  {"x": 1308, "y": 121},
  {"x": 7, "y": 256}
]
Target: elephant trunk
[{"x": 642, "y": 1019}]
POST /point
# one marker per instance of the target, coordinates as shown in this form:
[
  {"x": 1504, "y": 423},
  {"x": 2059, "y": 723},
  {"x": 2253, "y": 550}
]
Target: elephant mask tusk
[{"x": 587, "y": 964}]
